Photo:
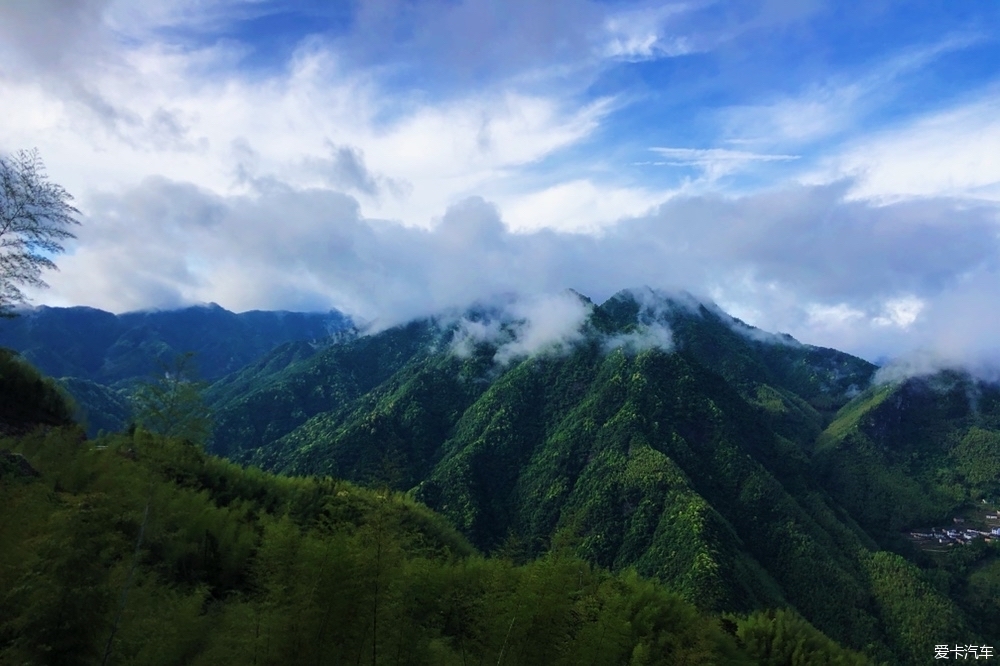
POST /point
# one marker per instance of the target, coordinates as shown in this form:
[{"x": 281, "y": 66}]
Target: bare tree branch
[{"x": 35, "y": 218}]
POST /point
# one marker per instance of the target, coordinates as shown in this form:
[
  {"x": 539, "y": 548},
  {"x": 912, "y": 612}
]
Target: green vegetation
[
  {"x": 649, "y": 459},
  {"x": 115, "y": 350},
  {"x": 734, "y": 499},
  {"x": 913, "y": 455},
  {"x": 171, "y": 404},
  {"x": 142, "y": 550},
  {"x": 28, "y": 399},
  {"x": 98, "y": 407}
]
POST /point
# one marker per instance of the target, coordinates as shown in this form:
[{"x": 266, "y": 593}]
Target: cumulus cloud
[
  {"x": 189, "y": 115},
  {"x": 345, "y": 170}
]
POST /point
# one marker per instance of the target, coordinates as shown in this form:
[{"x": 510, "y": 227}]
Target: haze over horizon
[{"x": 829, "y": 170}]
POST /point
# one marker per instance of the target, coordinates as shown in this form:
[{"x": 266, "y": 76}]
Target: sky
[{"x": 825, "y": 169}]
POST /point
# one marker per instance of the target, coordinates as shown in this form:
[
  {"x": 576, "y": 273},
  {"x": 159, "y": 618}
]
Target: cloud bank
[{"x": 803, "y": 260}]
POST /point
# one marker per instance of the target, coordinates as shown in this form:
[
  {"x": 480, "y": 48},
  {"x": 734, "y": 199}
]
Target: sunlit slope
[
  {"x": 278, "y": 397},
  {"x": 798, "y": 385},
  {"x": 913, "y": 453}
]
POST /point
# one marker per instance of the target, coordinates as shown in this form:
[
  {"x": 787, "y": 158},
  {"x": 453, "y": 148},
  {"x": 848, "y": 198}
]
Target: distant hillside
[
  {"x": 99, "y": 356},
  {"x": 914, "y": 453},
  {"x": 665, "y": 436},
  {"x": 920, "y": 455},
  {"x": 112, "y": 349}
]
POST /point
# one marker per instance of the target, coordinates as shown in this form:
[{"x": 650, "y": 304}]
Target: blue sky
[{"x": 827, "y": 169}]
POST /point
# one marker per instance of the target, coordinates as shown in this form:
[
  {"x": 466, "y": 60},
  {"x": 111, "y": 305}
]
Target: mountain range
[
  {"x": 651, "y": 433},
  {"x": 100, "y": 356}
]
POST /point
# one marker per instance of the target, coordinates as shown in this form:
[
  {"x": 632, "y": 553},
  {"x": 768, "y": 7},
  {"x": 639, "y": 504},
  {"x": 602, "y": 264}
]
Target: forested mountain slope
[
  {"x": 666, "y": 436},
  {"x": 915, "y": 452},
  {"x": 137, "y": 549},
  {"x": 923, "y": 454}
]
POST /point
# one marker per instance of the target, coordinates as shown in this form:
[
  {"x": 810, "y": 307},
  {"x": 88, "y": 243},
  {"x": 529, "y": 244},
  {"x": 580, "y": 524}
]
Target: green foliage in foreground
[
  {"x": 142, "y": 550},
  {"x": 27, "y": 398}
]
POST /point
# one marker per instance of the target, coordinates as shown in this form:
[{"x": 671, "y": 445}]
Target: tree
[
  {"x": 35, "y": 216},
  {"x": 172, "y": 404}
]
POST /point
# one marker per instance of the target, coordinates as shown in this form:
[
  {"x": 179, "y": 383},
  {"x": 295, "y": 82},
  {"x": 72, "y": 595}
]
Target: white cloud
[
  {"x": 804, "y": 261},
  {"x": 652, "y": 336},
  {"x": 831, "y": 316},
  {"x": 954, "y": 153},
  {"x": 523, "y": 326},
  {"x": 643, "y": 34},
  {"x": 716, "y": 162},
  {"x": 396, "y": 177},
  {"x": 470, "y": 333},
  {"x": 836, "y": 105},
  {"x": 544, "y": 324},
  {"x": 901, "y": 312},
  {"x": 576, "y": 205},
  {"x": 182, "y": 124}
]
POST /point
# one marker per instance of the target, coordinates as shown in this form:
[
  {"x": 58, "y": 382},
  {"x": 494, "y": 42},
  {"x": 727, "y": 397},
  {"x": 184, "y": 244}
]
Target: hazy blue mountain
[
  {"x": 111, "y": 349},
  {"x": 99, "y": 355}
]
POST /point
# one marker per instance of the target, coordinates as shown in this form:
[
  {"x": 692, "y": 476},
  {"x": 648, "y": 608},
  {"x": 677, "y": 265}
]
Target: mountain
[
  {"x": 655, "y": 435},
  {"x": 28, "y": 399},
  {"x": 923, "y": 455},
  {"x": 139, "y": 549},
  {"x": 663, "y": 435},
  {"x": 109, "y": 349},
  {"x": 99, "y": 356},
  {"x": 914, "y": 453}
]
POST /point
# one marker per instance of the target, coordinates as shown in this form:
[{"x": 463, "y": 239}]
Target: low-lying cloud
[
  {"x": 524, "y": 326},
  {"x": 518, "y": 326},
  {"x": 646, "y": 336}
]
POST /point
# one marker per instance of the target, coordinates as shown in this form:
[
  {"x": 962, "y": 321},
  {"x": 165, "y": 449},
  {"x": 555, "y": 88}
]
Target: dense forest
[
  {"x": 712, "y": 494},
  {"x": 139, "y": 549}
]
